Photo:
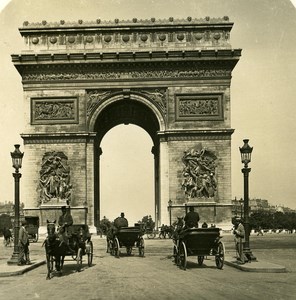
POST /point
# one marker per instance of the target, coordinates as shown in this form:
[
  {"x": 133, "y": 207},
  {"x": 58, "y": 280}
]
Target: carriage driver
[
  {"x": 121, "y": 221},
  {"x": 191, "y": 219},
  {"x": 65, "y": 221}
]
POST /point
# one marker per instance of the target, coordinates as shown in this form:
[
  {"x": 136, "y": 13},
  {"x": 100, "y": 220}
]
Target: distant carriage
[
  {"x": 32, "y": 228},
  {"x": 128, "y": 237},
  {"x": 199, "y": 242},
  {"x": 79, "y": 241}
]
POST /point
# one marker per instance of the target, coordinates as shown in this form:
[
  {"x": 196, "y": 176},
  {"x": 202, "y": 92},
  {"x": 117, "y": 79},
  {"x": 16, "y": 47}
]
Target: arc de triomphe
[{"x": 170, "y": 77}]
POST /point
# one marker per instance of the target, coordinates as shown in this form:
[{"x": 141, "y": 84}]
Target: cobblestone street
[{"x": 153, "y": 277}]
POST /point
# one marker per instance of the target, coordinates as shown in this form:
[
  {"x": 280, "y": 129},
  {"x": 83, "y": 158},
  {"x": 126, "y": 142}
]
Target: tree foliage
[
  {"x": 269, "y": 220},
  {"x": 104, "y": 226}
]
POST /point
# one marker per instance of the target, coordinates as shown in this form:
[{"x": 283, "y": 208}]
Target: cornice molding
[
  {"x": 132, "y": 34},
  {"x": 124, "y": 56},
  {"x": 192, "y": 135},
  {"x": 58, "y": 138}
]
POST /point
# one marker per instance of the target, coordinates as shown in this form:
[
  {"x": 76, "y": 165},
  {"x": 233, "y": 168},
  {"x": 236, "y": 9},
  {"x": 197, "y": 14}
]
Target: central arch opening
[
  {"x": 126, "y": 166},
  {"x": 127, "y": 173}
]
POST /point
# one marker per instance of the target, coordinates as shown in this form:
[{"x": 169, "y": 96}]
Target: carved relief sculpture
[
  {"x": 158, "y": 96},
  {"x": 54, "y": 181},
  {"x": 199, "y": 173},
  {"x": 94, "y": 98},
  {"x": 54, "y": 110},
  {"x": 202, "y": 106}
]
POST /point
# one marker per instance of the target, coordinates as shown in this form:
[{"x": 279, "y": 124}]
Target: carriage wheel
[
  {"x": 151, "y": 235},
  {"x": 79, "y": 259},
  {"x": 219, "y": 258},
  {"x": 116, "y": 248},
  {"x": 182, "y": 256},
  {"x": 90, "y": 252},
  {"x": 175, "y": 254},
  {"x": 200, "y": 260},
  {"x": 141, "y": 247},
  {"x": 129, "y": 250}
]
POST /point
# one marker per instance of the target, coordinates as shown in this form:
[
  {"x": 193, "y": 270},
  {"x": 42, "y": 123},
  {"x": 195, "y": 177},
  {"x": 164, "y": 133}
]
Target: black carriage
[
  {"x": 128, "y": 237},
  {"x": 199, "y": 242},
  {"x": 32, "y": 228}
]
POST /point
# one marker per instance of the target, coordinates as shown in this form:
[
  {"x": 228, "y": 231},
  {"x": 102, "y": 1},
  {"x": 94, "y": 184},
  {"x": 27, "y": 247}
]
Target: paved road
[{"x": 156, "y": 277}]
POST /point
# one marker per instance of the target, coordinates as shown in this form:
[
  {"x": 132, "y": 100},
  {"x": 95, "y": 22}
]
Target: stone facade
[{"x": 171, "y": 77}]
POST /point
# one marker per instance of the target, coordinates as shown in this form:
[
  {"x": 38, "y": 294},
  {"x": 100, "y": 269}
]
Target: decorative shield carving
[
  {"x": 199, "y": 173},
  {"x": 54, "y": 181}
]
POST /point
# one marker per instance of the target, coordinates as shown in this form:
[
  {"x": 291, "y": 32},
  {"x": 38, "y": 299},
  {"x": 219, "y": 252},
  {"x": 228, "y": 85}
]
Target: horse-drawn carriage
[
  {"x": 128, "y": 237},
  {"x": 80, "y": 244},
  {"x": 32, "y": 228},
  {"x": 199, "y": 242}
]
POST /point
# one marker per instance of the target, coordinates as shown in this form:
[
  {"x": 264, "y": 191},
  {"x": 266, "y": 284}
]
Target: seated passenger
[
  {"x": 191, "y": 219},
  {"x": 120, "y": 221}
]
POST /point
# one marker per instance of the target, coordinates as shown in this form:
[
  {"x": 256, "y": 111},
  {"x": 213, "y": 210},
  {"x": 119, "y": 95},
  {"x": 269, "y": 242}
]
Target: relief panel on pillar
[{"x": 199, "y": 174}]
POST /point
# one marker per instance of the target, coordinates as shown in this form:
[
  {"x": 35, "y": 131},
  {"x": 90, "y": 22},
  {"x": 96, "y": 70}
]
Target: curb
[
  {"x": 256, "y": 266},
  {"x": 19, "y": 270}
]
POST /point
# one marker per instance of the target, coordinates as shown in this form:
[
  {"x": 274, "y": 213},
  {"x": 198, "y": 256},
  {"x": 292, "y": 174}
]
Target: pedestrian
[
  {"x": 23, "y": 244},
  {"x": 191, "y": 219},
  {"x": 260, "y": 231},
  {"x": 239, "y": 238}
]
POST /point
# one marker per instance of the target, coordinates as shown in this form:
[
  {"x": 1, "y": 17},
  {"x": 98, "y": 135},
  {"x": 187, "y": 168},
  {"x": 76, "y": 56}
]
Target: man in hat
[
  {"x": 239, "y": 238},
  {"x": 191, "y": 219},
  {"x": 121, "y": 221},
  {"x": 65, "y": 221},
  {"x": 23, "y": 244}
]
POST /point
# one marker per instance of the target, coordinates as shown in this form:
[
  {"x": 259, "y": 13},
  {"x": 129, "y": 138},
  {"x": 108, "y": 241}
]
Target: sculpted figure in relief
[
  {"x": 54, "y": 181},
  {"x": 199, "y": 173}
]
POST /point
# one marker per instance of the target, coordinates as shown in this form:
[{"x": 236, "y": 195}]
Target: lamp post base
[
  {"x": 14, "y": 259},
  {"x": 248, "y": 253}
]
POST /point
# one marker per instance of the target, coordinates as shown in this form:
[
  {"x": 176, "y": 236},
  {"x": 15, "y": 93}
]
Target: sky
[{"x": 263, "y": 89}]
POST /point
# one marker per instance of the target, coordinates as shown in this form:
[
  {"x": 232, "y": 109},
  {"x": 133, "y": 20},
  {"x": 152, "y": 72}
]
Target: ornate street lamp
[
  {"x": 170, "y": 210},
  {"x": 246, "y": 152},
  {"x": 17, "y": 157}
]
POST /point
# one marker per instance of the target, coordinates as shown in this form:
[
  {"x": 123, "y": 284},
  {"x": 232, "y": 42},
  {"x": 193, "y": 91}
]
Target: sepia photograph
[{"x": 147, "y": 149}]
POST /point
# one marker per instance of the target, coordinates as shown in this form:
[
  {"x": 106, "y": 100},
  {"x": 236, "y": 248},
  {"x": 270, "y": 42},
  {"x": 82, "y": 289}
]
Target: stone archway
[
  {"x": 171, "y": 77},
  {"x": 131, "y": 107}
]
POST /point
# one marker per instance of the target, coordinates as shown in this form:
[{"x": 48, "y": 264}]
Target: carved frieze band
[
  {"x": 156, "y": 96},
  {"x": 191, "y": 107},
  {"x": 141, "y": 74},
  {"x": 54, "y": 110}
]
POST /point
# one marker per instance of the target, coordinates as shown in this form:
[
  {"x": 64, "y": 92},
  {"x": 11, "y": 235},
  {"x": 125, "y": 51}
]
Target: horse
[{"x": 55, "y": 250}]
